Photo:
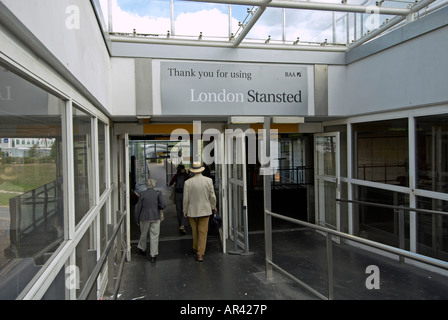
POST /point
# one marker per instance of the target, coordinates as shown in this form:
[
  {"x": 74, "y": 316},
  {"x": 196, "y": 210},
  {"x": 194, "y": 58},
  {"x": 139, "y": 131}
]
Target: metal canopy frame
[{"x": 260, "y": 6}]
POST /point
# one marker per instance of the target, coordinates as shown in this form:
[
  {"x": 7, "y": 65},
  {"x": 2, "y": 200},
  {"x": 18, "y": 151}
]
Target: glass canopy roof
[{"x": 283, "y": 24}]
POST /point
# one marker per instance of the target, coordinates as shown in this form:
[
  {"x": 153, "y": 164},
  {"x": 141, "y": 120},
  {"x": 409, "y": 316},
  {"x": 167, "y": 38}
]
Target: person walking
[
  {"x": 179, "y": 180},
  {"x": 147, "y": 214},
  {"x": 199, "y": 203}
]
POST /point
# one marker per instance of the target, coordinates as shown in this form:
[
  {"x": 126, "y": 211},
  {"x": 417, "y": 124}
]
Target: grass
[
  {"x": 27, "y": 177},
  {"x": 4, "y": 198}
]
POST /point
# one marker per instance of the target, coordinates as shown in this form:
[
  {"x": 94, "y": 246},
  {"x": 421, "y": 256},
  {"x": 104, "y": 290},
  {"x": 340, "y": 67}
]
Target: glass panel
[
  {"x": 381, "y": 224},
  {"x": 31, "y": 181},
  {"x": 57, "y": 289},
  {"x": 269, "y": 25},
  {"x": 103, "y": 228},
  {"x": 146, "y": 17},
  {"x": 432, "y": 229},
  {"x": 309, "y": 26},
  {"x": 82, "y": 128},
  {"x": 210, "y": 19},
  {"x": 432, "y": 153},
  {"x": 382, "y": 152},
  {"x": 326, "y": 155},
  {"x": 327, "y": 196},
  {"x": 86, "y": 259},
  {"x": 102, "y": 156}
]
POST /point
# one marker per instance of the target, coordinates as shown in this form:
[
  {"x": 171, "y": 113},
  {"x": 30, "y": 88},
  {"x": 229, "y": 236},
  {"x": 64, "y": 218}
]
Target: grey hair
[{"x": 150, "y": 183}]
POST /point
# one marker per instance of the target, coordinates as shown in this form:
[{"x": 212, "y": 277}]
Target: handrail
[
  {"x": 99, "y": 265},
  {"x": 389, "y": 206},
  {"x": 330, "y": 232}
]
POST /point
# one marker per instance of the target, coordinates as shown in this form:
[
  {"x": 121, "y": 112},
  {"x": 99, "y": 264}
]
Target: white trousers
[{"x": 154, "y": 232}]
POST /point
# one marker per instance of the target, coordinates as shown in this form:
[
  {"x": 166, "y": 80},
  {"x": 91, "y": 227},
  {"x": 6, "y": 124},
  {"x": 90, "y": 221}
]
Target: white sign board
[{"x": 199, "y": 88}]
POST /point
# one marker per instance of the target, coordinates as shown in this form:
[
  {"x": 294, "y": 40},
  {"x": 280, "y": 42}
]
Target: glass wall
[
  {"x": 432, "y": 153},
  {"x": 31, "y": 181},
  {"x": 102, "y": 156},
  {"x": 432, "y": 175},
  {"x": 383, "y": 156},
  {"x": 432, "y": 229},
  {"x": 82, "y": 151},
  {"x": 48, "y": 166},
  {"x": 381, "y": 152},
  {"x": 377, "y": 223}
]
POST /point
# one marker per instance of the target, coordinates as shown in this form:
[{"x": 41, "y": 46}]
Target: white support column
[
  {"x": 96, "y": 190},
  {"x": 68, "y": 169},
  {"x": 95, "y": 160},
  {"x": 108, "y": 172},
  {"x": 69, "y": 188}
]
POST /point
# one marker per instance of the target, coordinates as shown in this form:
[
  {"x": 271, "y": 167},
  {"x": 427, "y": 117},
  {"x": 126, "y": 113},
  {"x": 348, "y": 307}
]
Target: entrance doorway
[
  {"x": 237, "y": 181},
  {"x": 150, "y": 158}
]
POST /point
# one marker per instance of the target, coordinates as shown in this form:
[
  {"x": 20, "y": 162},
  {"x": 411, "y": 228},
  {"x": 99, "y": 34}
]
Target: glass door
[
  {"x": 327, "y": 179},
  {"x": 235, "y": 157},
  {"x": 221, "y": 181}
]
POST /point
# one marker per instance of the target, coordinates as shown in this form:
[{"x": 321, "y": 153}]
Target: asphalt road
[{"x": 4, "y": 212}]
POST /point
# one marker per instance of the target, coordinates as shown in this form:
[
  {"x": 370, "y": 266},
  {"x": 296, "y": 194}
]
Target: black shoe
[
  {"x": 153, "y": 259},
  {"x": 143, "y": 253},
  {"x": 182, "y": 230}
]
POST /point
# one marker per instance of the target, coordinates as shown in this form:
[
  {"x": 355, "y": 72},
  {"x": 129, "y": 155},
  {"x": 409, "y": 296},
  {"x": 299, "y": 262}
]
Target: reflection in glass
[
  {"x": 102, "y": 156},
  {"x": 86, "y": 259},
  {"x": 381, "y": 224},
  {"x": 432, "y": 153},
  {"x": 432, "y": 229},
  {"x": 382, "y": 152},
  {"x": 327, "y": 195},
  {"x": 103, "y": 228},
  {"x": 82, "y": 151},
  {"x": 31, "y": 181},
  {"x": 326, "y": 155}
]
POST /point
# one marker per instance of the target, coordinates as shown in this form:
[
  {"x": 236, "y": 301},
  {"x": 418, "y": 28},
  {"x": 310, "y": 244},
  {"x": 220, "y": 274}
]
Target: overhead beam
[
  {"x": 307, "y": 5},
  {"x": 225, "y": 44},
  {"x": 250, "y": 24}
]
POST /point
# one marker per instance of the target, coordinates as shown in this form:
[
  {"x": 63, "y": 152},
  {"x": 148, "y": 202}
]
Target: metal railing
[
  {"x": 91, "y": 281},
  {"x": 329, "y": 250},
  {"x": 284, "y": 176}
]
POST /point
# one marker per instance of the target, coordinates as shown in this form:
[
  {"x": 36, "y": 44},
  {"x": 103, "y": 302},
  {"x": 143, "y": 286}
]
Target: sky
[{"x": 191, "y": 18}]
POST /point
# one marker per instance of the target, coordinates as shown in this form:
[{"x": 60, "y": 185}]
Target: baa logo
[{"x": 293, "y": 74}]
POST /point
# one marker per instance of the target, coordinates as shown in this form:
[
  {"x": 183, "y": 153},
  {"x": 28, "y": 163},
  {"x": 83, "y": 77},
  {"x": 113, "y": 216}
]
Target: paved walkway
[{"x": 176, "y": 274}]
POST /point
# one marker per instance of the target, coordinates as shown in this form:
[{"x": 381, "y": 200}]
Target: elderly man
[
  {"x": 199, "y": 203},
  {"x": 147, "y": 215}
]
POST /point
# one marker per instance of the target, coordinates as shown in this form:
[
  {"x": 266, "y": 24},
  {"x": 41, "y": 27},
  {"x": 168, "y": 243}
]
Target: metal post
[
  {"x": 267, "y": 199},
  {"x": 172, "y": 18},
  {"x": 401, "y": 231},
  {"x": 235, "y": 231},
  {"x": 330, "y": 267},
  {"x": 246, "y": 232}
]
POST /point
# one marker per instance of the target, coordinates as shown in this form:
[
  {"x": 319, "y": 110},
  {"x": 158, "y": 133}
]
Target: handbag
[{"x": 217, "y": 220}]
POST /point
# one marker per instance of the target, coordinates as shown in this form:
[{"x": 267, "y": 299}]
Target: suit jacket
[
  {"x": 148, "y": 205},
  {"x": 199, "y": 196}
]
